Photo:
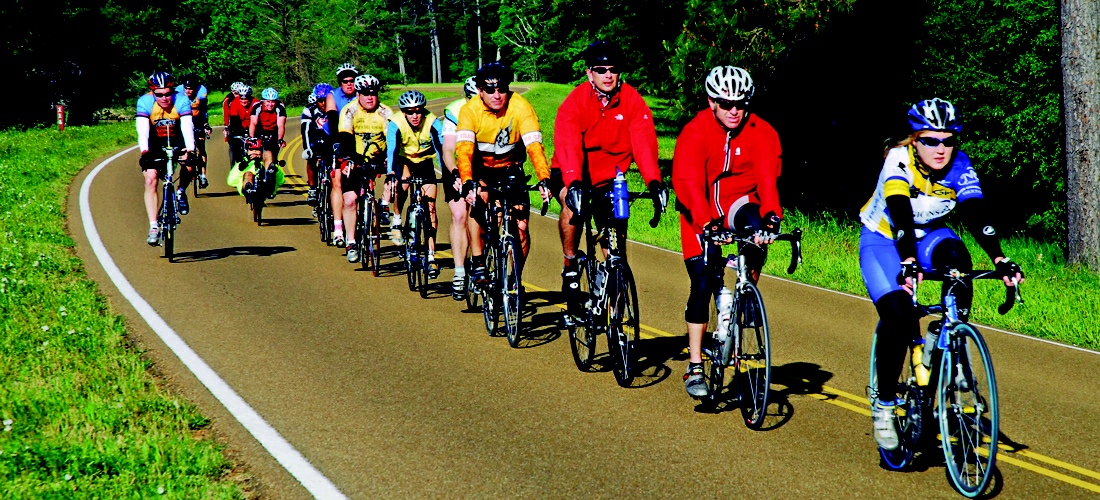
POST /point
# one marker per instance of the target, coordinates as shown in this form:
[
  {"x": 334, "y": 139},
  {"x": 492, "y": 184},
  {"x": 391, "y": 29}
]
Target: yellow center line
[{"x": 836, "y": 397}]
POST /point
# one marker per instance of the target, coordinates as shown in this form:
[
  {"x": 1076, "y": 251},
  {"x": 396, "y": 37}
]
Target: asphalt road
[{"x": 388, "y": 394}]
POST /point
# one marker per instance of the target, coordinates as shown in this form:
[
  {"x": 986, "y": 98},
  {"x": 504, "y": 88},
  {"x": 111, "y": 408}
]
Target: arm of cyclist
[
  {"x": 465, "y": 138},
  {"x": 977, "y": 221},
  {"x": 225, "y": 116},
  {"x": 689, "y": 178},
  {"x": 905, "y": 240},
  {"x": 767, "y": 169},
  {"x": 393, "y": 136},
  {"x": 280, "y": 122},
  {"x": 569, "y": 141},
  {"x": 187, "y": 128}
]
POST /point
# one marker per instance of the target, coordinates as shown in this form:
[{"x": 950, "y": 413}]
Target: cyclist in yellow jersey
[
  {"x": 362, "y": 138},
  {"x": 412, "y": 145},
  {"x": 488, "y": 143}
]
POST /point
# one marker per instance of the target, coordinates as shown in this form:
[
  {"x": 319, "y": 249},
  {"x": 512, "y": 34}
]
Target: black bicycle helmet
[
  {"x": 494, "y": 74},
  {"x": 602, "y": 53}
]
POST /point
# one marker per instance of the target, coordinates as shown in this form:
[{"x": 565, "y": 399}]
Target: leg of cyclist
[
  {"x": 200, "y": 145},
  {"x": 429, "y": 191},
  {"x": 398, "y": 194},
  {"x": 350, "y": 204},
  {"x": 946, "y": 250},
  {"x": 311, "y": 172},
  {"x": 151, "y": 173},
  {"x": 567, "y": 232},
  {"x": 452, "y": 189},
  {"x": 705, "y": 282},
  {"x": 337, "y": 196},
  {"x": 744, "y": 213},
  {"x": 478, "y": 215},
  {"x": 880, "y": 264}
]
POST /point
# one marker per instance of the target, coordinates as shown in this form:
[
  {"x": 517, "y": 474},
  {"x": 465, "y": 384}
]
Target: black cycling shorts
[{"x": 517, "y": 193}]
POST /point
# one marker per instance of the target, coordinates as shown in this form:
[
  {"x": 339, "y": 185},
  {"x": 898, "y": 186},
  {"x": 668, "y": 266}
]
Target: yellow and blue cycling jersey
[
  {"x": 198, "y": 104},
  {"x": 932, "y": 196},
  {"x": 368, "y": 127},
  {"x": 450, "y": 116},
  {"x": 408, "y": 145},
  {"x": 165, "y": 122}
]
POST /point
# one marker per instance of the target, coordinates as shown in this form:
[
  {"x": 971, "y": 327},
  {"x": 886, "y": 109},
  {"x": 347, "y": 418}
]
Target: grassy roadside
[
  {"x": 1061, "y": 302},
  {"x": 81, "y": 415}
]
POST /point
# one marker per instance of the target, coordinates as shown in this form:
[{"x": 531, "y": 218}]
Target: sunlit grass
[{"x": 82, "y": 416}]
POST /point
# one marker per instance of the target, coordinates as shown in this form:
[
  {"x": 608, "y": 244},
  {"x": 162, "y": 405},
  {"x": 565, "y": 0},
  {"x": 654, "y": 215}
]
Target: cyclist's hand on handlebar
[
  {"x": 544, "y": 191},
  {"x": 770, "y": 230},
  {"x": 282, "y": 144},
  {"x": 458, "y": 183},
  {"x": 469, "y": 190},
  {"x": 910, "y": 275},
  {"x": 660, "y": 195},
  {"x": 717, "y": 231},
  {"x": 1013, "y": 274},
  {"x": 574, "y": 198},
  {"x": 225, "y": 135},
  {"x": 307, "y": 153}
]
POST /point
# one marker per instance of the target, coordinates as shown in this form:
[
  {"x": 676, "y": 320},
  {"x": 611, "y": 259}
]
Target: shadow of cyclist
[{"x": 221, "y": 253}]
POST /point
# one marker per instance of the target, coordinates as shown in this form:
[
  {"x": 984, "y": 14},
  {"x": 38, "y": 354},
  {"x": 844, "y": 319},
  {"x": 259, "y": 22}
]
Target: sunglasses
[
  {"x": 347, "y": 81},
  {"x": 491, "y": 89},
  {"x": 162, "y": 95},
  {"x": 599, "y": 70},
  {"x": 727, "y": 104},
  {"x": 414, "y": 111},
  {"x": 368, "y": 92},
  {"x": 933, "y": 142}
]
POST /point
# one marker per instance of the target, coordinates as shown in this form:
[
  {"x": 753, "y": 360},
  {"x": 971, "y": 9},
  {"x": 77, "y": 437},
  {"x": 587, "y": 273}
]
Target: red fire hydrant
[{"x": 61, "y": 117}]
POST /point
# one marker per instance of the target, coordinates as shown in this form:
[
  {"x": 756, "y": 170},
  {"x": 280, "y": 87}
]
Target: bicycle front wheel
[
  {"x": 411, "y": 259},
  {"x": 622, "y": 322},
  {"x": 967, "y": 408},
  {"x": 582, "y": 338},
  {"x": 374, "y": 237},
  {"x": 753, "y": 366},
  {"x": 422, "y": 251},
  {"x": 510, "y": 291},
  {"x": 910, "y": 413},
  {"x": 490, "y": 303}
]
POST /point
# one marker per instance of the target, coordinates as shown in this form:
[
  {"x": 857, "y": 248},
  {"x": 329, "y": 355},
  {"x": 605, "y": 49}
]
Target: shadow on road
[
  {"x": 221, "y": 253},
  {"x": 293, "y": 221},
  {"x": 220, "y": 194},
  {"x": 541, "y": 319}
]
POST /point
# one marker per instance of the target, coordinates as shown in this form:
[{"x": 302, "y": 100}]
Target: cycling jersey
[
  {"x": 712, "y": 168},
  {"x": 313, "y": 127},
  {"x": 489, "y": 139},
  {"x": 403, "y": 144},
  {"x": 368, "y": 127},
  {"x": 240, "y": 116},
  {"x": 165, "y": 124},
  {"x": 932, "y": 194},
  {"x": 593, "y": 141},
  {"x": 450, "y": 116},
  {"x": 198, "y": 105},
  {"x": 267, "y": 122},
  {"x": 341, "y": 102}
]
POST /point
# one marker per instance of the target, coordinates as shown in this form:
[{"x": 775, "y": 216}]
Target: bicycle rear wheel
[
  {"x": 490, "y": 302},
  {"x": 753, "y": 366},
  {"x": 362, "y": 236},
  {"x": 411, "y": 258},
  {"x": 622, "y": 322},
  {"x": 909, "y": 416},
  {"x": 374, "y": 238},
  {"x": 968, "y": 414},
  {"x": 716, "y": 360},
  {"x": 582, "y": 337},
  {"x": 511, "y": 298},
  {"x": 473, "y": 295},
  {"x": 168, "y": 221},
  {"x": 324, "y": 210}
]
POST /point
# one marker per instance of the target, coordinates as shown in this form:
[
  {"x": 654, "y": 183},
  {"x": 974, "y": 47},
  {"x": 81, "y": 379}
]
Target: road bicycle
[
  {"x": 948, "y": 377},
  {"x": 367, "y": 227},
  {"x": 322, "y": 179},
  {"x": 607, "y": 300},
  {"x": 201, "y": 138},
  {"x": 501, "y": 292},
  {"x": 741, "y": 341},
  {"x": 168, "y": 217},
  {"x": 417, "y": 227},
  {"x": 263, "y": 182}
]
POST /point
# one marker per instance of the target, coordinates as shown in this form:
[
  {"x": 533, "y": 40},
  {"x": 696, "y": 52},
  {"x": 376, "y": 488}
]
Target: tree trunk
[
  {"x": 477, "y": 13},
  {"x": 400, "y": 57},
  {"x": 1081, "y": 91}
]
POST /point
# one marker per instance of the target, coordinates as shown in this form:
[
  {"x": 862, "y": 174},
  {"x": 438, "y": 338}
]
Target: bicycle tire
[
  {"x": 168, "y": 224},
  {"x": 969, "y": 420},
  {"x": 716, "y": 360},
  {"x": 511, "y": 290},
  {"x": 472, "y": 296},
  {"x": 909, "y": 417},
  {"x": 322, "y": 213},
  {"x": 489, "y": 302},
  {"x": 422, "y": 250},
  {"x": 410, "y": 259},
  {"x": 753, "y": 365},
  {"x": 362, "y": 236},
  {"x": 622, "y": 322},
  {"x": 582, "y": 337},
  {"x": 374, "y": 238}
]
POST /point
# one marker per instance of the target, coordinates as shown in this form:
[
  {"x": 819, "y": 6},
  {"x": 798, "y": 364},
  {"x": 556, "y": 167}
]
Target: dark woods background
[{"x": 834, "y": 76}]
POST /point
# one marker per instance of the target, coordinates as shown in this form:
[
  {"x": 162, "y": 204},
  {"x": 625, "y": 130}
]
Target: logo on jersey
[
  {"x": 504, "y": 135},
  {"x": 989, "y": 231},
  {"x": 969, "y": 177}
]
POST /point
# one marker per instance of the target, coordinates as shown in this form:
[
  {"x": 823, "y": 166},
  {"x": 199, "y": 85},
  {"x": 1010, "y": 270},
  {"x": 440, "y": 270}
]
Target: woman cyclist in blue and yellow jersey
[
  {"x": 163, "y": 119},
  {"x": 923, "y": 178},
  {"x": 197, "y": 94},
  {"x": 315, "y": 140},
  {"x": 496, "y": 133},
  {"x": 413, "y": 141},
  {"x": 452, "y": 189},
  {"x": 362, "y": 137}
]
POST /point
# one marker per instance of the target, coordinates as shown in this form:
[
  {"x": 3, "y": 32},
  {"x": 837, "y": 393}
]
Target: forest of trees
[{"x": 834, "y": 76}]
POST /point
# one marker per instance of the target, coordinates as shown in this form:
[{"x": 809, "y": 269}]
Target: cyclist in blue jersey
[
  {"x": 163, "y": 119},
  {"x": 452, "y": 189},
  {"x": 197, "y": 94},
  {"x": 924, "y": 177},
  {"x": 315, "y": 140},
  {"x": 412, "y": 143}
]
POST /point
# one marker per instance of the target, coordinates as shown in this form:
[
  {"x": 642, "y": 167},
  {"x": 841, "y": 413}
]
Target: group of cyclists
[{"x": 724, "y": 172}]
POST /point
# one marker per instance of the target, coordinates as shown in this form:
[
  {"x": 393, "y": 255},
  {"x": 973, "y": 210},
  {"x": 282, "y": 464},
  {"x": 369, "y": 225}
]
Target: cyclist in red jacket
[
  {"x": 724, "y": 171},
  {"x": 602, "y": 127}
]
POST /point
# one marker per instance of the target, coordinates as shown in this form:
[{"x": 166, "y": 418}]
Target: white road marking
[{"x": 316, "y": 483}]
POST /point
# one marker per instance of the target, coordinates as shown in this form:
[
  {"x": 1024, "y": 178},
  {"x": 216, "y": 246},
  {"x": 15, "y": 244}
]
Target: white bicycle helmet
[
  {"x": 345, "y": 68},
  {"x": 311, "y": 98},
  {"x": 470, "y": 87},
  {"x": 412, "y": 99},
  {"x": 269, "y": 94},
  {"x": 730, "y": 83},
  {"x": 235, "y": 87},
  {"x": 245, "y": 90},
  {"x": 367, "y": 83}
]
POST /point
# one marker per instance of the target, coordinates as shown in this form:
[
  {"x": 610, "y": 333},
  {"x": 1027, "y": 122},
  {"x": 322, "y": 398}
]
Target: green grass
[
  {"x": 1062, "y": 302},
  {"x": 83, "y": 416}
]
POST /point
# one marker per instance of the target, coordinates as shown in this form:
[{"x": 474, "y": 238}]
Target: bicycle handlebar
[
  {"x": 746, "y": 235},
  {"x": 1012, "y": 293},
  {"x": 508, "y": 182}
]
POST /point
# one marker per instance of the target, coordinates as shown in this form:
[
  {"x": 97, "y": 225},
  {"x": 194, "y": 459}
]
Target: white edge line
[
  {"x": 291, "y": 459},
  {"x": 984, "y": 327}
]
